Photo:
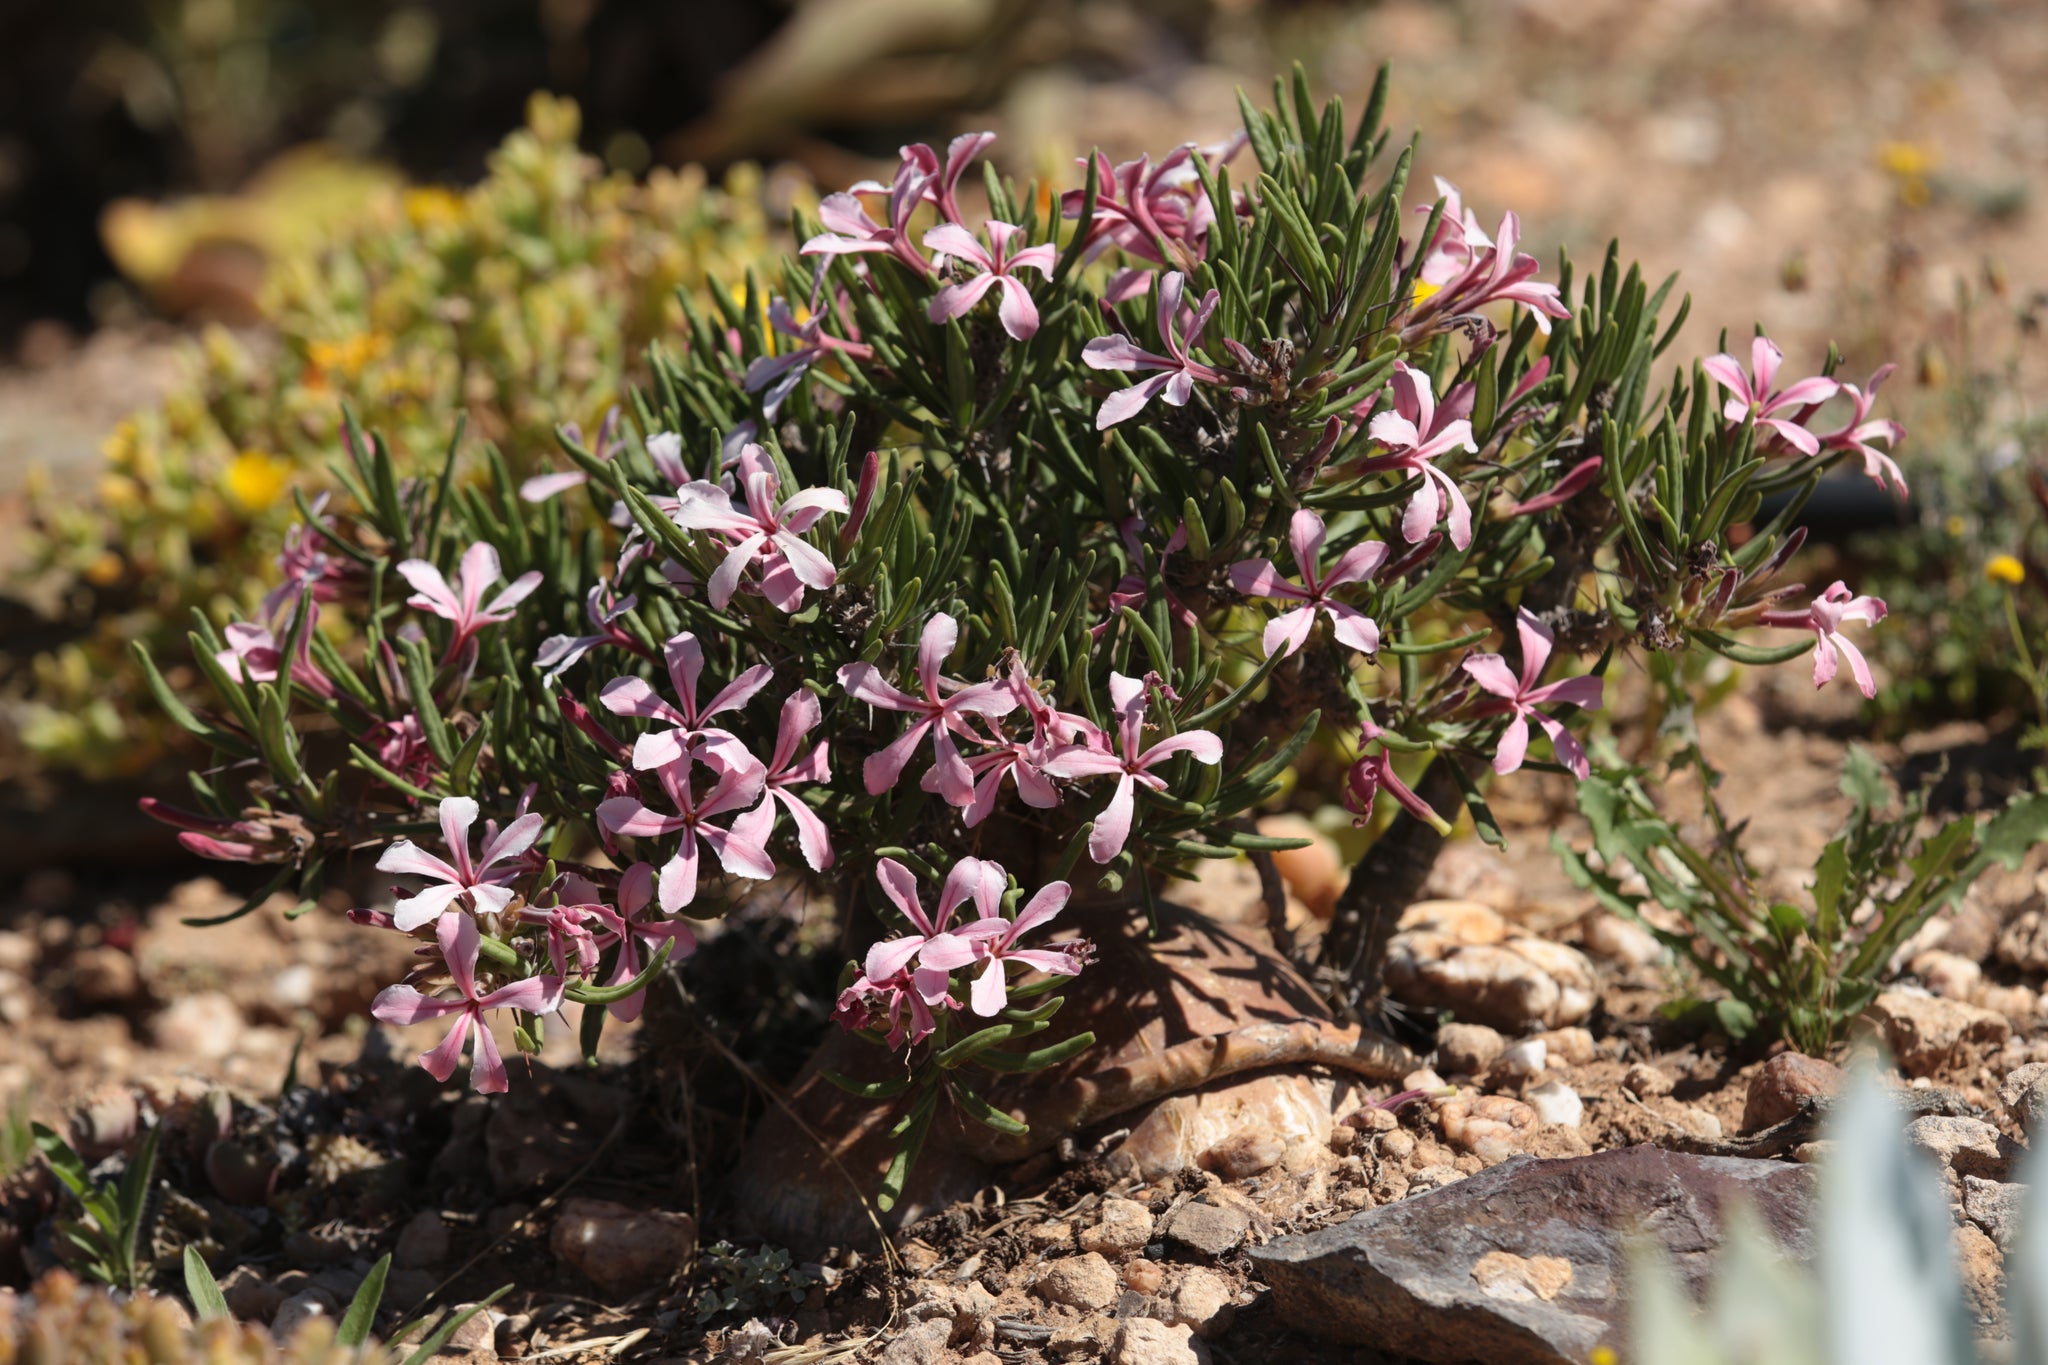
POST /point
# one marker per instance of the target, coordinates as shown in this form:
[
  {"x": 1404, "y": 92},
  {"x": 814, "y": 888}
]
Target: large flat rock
[{"x": 1528, "y": 1261}]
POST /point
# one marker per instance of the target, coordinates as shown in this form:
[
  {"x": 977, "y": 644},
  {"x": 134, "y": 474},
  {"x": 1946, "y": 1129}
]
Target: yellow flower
[
  {"x": 256, "y": 480},
  {"x": 1955, "y": 526},
  {"x": 2005, "y": 569},
  {"x": 1909, "y": 163},
  {"x": 1603, "y": 1355},
  {"x": 1423, "y": 289},
  {"x": 432, "y": 205},
  {"x": 349, "y": 355},
  {"x": 104, "y": 570}
]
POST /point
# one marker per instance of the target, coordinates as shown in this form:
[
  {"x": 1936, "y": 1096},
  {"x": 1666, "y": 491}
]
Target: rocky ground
[{"x": 304, "y": 1143}]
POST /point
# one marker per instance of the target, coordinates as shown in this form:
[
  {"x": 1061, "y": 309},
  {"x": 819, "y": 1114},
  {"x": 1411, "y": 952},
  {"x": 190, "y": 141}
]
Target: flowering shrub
[
  {"x": 988, "y": 628},
  {"x": 522, "y": 302}
]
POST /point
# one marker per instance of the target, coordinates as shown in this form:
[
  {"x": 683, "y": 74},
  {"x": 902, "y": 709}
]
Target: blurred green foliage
[{"x": 523, "y": 302}]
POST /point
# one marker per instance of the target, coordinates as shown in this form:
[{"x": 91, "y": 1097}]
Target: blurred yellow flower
[
  {"x": 347, "y": 356},
  {"x": 256, "y": 480},
  {"x": 432, "y": 205},
  {"x": 104, "y": 570},
  {"x": 1955, "y": 526},
  {"x": 2005, "y": 569},
  {"x": 1909, "y": 163},
  {"x": 1423, "y": 289}
]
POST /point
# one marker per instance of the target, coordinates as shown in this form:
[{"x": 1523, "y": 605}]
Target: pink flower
[
  {"x": 993, "y": 940},
  {"x": 768, "y": 530},
  {"x": 894, "y": 983},
  {"x": 1492, "y": 272},
  {"x": 1417, "y": 432},
  {"x": 941, "y": 181},
  {"x": 1132, "y": 767},
  {"x": 941, "y": 711},
  {"x": 780, "y": 374},
  {"x": 636, "y": 932},
  {"x": 1258, "y": 578},
  {"x": 253, "y": 653},
  {"x": 404, "y": 1005},
  {"x": 1374, "y": 773},
  {"x": 1752, "y": 393},
  {"x": 1459, "y": 237},
  {"x": 851, "y": 232},
  {"x": 480, "y": 569},
  {"x": 558, "y": 653},
  {"x": 401, "y": 746},
  {"x": 306, "y": 567},
  {"x": 1133, "y": 590},
  {"x": 688, "y": 735},
  {"x": 489, "y": 891},
  {"x": 542, "y": 487},
  {"x": 1179, "y": 370},
  {"x": 1825, "y": 617},
  {"x": 1137, "y": 204},
  {"x": 999, "y": 265},
  {"x": 1859, "y": 431},
  {"x": 800, "y": 715},
  {"x": 740, "y": 849},
  {"x": 1519, "y": 696},
  {"x": 1581, "y": 477}
]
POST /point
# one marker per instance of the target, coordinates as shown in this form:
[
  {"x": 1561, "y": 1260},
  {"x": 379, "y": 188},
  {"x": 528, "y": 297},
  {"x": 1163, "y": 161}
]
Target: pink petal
[
  {"x": 408, "y": 857},
  {"x": 486, "y": 1065},
  {"x": 884, "y": 768},
  {"x": 1113, "y": 825},
  {"x": 415, "y": 912},
  {"x": 1423, "y": 510},
  {"x": 1566, "y": 747},
  {"x": 1199, "y": 745},
  {"x": 1353, "y": 628},
  {"x": 1859, "y": 668},
  {"x": 1536, "y": 643},
  {"x": 1305, "y": 537},
  {"x": 935, "y": 645},
  {"x": 991, "y": 989},
  {"x": 677, "y": 886},
  {"x": 1726, "y": 371},
  {"x": 899, "y": 884},
  {"x": 1288, "y": 632},
  {"x": 955, "y": 240},
  {"x": 1355, "y": 565},
  {"x": 479, "y": 569},
  {"x": 513, "y": 840},
  {"x": 739, "y": 691},
  {"x": 541, "y": 487},
  {"x": 812, "y": 836},
  {"x": 625, "y": 815},
  {"x": 864, "y": 682},
  {"x": 637, "y": 697},
  {"x": 402, "y": 1005},
  {"x": 1016, "y": 311},
  {"x": 1514, "y": 745},
  {"x": 1041, "y": 908},
  {"x": 459, "y": 942},
  {"x": 958, "y": 300},
  {"x": 660, "y": 749},
  {"x": 725, "y": 579},
  {"x": 433, "y": 592},
  {"x": 1492, "y": 673},
  {"x": 445, "y": 1056},
  {"x": 1121, "y": 353},
  {"x": 1127, "y": 403},
  {"x": 810, "y": 565},
  {"x": 1258, "y": 578},
  {"x": 947, "y": 952},
  {"x": 516, "y": 592},
  {"x": 886, "y": 959},
  {"x": 1582, "y": 692},
  {"x": 955, "y": 780}
]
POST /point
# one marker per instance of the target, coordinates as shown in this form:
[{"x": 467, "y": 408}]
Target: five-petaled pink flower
[
  {"x": 1132, "y": 767},
  {"x": 1861, "y": 429},
  {"x": 1178, "y": 369},
  {"x": 1825, "y": 617},
  {"x": 1467, "y": 272},
  {"x": 768, "y": 530},
  {"x": 941, "y": 712},
  {"x": 638, "y": 931},
  {"x": 1520, "y": 696},
  {"x": 1289, "y": 631},
  {"x": 1374, "y": 773},
  {"x": 993, "y": 940},
  {"x": 741, "y": 849},
  {"x": 558, "y": 653},
  {"x": 688, "y": 736},
  {"x": 851, "y": 232},
  {"x": 482, "y": 879},
  {"x": 800, "y": 715},
  {"x": 460, "y": 942},
  {"x": 999, "y": 265},
  {"x": 1752, "y": 393},
  {"x": 1418, "y": 431},
  {"x": 254, "y": 652},
  {"x": 464, "y": 605}
]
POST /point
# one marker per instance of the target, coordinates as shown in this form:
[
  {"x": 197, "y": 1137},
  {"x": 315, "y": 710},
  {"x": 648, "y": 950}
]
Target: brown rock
[
  {"x": 205, "y": 1026},
  {"x": 1926, "y": 1034},
  {"x": 622, "y": 1249},
  {"x": 1478, "y": 1271},
  {"x": 1082, "y": 1340},
  {"x": 1490, "y": 1127},
  {"x": 1994, "y": 1206},
  {"x": 1569, "y": 1046},
  {"x": 2024, "y": 1093},
  {"x": 103, "y": 977},
  {"x": 1964, "y": 1147},
  {"x": 1949, "y": 975},
  {"x": 1782, "y": 1083},
  {"x": 251, "y": 1298},
  {"x": 1125, "y": 1226},
  {"x": 923, "y": 1343},
  {"x": 1982, "y": 1271},
  {"x": 542, "y": 1131},
  {"x": 1315, "y": 873},
  {"x": 1143, "y": 1277},
  {"x": 1620, "y": 940},
  {"x": 423, "y": 1242},
  {"x": 1147, "y": 1341},
  {"x": 1087, "y": 1282},
  {"x": 1516, "y": 984},
  {"x": 2024, "y": 942},
  {"x": 1646, "y": 1080},
  {"x": 1211, "y": 1229},
  {"x": 1245, "y": 1153},
  {"x": 1463, "y": 922},
  {"x": 1467, "y": 1049},
  {"x": 1203, "y": 1300}
]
